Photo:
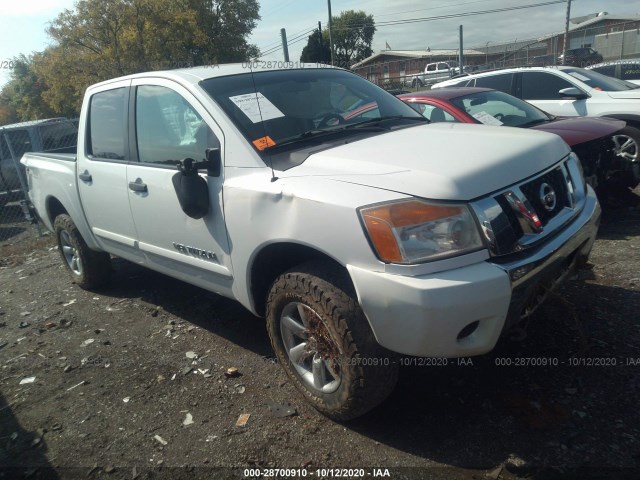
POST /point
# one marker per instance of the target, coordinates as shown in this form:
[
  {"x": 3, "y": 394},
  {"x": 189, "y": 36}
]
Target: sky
[{"x": 23, "y": 23}]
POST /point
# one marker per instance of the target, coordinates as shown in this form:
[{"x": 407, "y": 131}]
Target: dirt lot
[{"x": 115, "y": 390}]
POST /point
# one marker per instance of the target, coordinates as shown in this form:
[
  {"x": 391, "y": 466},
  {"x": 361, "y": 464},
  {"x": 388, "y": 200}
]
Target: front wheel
[
  {"x": 323, "y": 341},
  {"x": 626, "y": 144},
  {"x": 88, "y": 268}
]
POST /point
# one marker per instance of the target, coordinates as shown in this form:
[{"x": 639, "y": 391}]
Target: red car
[{"x": 589, "y": 137}]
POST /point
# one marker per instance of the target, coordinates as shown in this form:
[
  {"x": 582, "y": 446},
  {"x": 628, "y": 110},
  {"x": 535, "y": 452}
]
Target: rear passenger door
[
  {"x": 102, "y": 170},
  {"x": 167, "y": 125}
]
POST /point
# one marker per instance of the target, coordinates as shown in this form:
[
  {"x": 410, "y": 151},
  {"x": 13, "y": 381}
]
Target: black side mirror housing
[
  {"x": 573, "y": 92},
  {"x": 213, "y": 161},
  {"x": 191, "y": 189}
]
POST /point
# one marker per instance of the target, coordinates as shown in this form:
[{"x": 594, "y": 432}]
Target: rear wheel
[
  {"x": 323, "y": 341},
  {"x": 88, "y": 268}
]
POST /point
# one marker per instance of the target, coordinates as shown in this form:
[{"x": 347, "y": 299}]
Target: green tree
[
  {"x": 21, "y": 97},
  {"x": 352, "y": 34},
  {"x": 317, "y": 48},
  {"x": 102, "y": 39}
]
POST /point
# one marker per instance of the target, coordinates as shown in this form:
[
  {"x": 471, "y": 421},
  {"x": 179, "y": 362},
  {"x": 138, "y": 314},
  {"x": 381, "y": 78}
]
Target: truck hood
[
  {"x": 626, "y": 94},
  {"x": 576, "y": 130},
  {"x": 440, "y": 161}
]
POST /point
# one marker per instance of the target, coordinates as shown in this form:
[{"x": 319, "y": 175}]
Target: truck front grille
[
  {"x": 532, "y": 190},
  {"x": 524, "y": 214}
]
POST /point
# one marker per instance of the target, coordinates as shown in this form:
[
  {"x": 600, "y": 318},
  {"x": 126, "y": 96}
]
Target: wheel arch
[
  {"x": 54, "y": 207},
  {"x": 273, "y": 260}
]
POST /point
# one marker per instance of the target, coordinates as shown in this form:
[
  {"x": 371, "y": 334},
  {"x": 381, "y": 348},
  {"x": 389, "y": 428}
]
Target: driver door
[{"x": 169, "y": 124}]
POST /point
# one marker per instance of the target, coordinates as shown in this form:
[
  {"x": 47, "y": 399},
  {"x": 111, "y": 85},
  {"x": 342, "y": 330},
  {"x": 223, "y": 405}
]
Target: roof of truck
[{"x": 197, "y": 74}]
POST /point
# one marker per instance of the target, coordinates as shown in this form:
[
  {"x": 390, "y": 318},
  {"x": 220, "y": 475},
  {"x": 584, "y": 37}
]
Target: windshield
[
  {"x": 498, "y": 108},
  {"x": 598, "y": 81},
  {"x": 284, "y": 107}
]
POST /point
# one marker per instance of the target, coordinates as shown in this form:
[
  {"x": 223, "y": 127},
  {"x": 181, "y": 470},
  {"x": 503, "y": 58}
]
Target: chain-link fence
[
  {"x": 57, "y": 135},
  {"x": 595, "y": 40}
]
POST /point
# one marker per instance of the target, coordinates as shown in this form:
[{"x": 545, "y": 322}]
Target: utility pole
[
  {"x": 566, "y": 33},
  {"x": 322, "y": 59},
  {"x": 461, "y": 60},
  {"x": 285, "y": 47},
  {"x": 330, "y": 38}
]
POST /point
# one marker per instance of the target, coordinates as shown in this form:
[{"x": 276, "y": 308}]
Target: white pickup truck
[
  {"x": 433, "y": 73},
  {"x": 358, "y": 236}
]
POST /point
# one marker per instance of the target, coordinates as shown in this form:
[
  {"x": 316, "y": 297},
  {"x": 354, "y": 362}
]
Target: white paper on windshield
[
  {"x": 579, "y": 76},
  {"x": 484, "y": 117},
  {"x": 256, "y": 106}
]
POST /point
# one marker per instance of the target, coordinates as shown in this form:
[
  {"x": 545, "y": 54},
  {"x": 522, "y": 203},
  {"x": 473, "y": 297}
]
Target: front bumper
[{"x": 432, "y": 315}]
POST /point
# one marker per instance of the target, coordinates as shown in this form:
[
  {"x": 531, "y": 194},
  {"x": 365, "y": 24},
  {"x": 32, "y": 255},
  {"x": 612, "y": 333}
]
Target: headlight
[
  {"x": 574, "y": 157},
  {"x": 415, "y": 231}
]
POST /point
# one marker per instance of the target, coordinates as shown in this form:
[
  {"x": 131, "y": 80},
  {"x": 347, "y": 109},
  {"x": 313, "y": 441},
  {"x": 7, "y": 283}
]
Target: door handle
[
  {"x": 138, "y": 186},
  {"x": 85, "y": 176}
]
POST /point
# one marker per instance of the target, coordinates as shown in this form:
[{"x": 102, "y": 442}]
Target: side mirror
[
  {"x": 214, "y": 161},
  {"x": 191, "y": 189},
  {"x": 573, "y": 92}
]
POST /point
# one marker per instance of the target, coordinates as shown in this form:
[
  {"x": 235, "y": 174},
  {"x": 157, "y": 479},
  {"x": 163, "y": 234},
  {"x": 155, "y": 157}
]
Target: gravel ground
[{"x": 129, "y": 382}]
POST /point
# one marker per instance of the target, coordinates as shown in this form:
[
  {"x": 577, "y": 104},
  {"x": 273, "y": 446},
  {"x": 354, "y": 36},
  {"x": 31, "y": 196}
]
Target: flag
[{"x": 387, "y": 44}]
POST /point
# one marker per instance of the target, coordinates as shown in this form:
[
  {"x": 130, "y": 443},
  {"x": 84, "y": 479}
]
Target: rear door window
[
  {"x": 500, "y": 82},
  {"x": 107, "y": 133}
]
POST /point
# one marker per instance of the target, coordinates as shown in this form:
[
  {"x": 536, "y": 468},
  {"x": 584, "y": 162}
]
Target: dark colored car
[
  {"x": 581, "y": 57},
  {"x": 54, "y": 135},
  {"x": 589, "y": 137},
  {"x": 627, "y": 70}
]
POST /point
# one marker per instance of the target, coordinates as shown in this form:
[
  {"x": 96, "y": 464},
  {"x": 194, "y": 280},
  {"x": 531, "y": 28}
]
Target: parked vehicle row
[
  {"x": 628, "y": 70},
  {"x": 355, "y": 241},
  {"x": 588, "y": 137},
  {"x": 570, "y": 92}
]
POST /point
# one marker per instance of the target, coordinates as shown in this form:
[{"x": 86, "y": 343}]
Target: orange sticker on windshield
[{"x": 264, "y": 142}]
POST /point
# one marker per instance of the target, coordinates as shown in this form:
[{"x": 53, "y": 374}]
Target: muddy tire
[
  {"x": 88, "y": 268},
  {"x": 324, "y": 343}
]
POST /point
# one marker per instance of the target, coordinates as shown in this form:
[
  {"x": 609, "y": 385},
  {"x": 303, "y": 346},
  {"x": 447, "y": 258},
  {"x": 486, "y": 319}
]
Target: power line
[
  {"x": 430, "y": 8},
  {"x": 294, "y": 39},
  {"x": 454, "y": 15},
  {"x": 279, "y": 41}
]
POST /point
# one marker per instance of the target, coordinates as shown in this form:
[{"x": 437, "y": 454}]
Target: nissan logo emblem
[{"x": 547, "y": 197}]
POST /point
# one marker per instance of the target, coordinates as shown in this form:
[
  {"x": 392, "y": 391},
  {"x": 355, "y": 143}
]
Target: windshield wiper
[
  {"x": 367, "y": 124},
  {"x": 314, "y": 132},
  {"x": 539, "y": 121},
  {"x": 374, "y": 121}
]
